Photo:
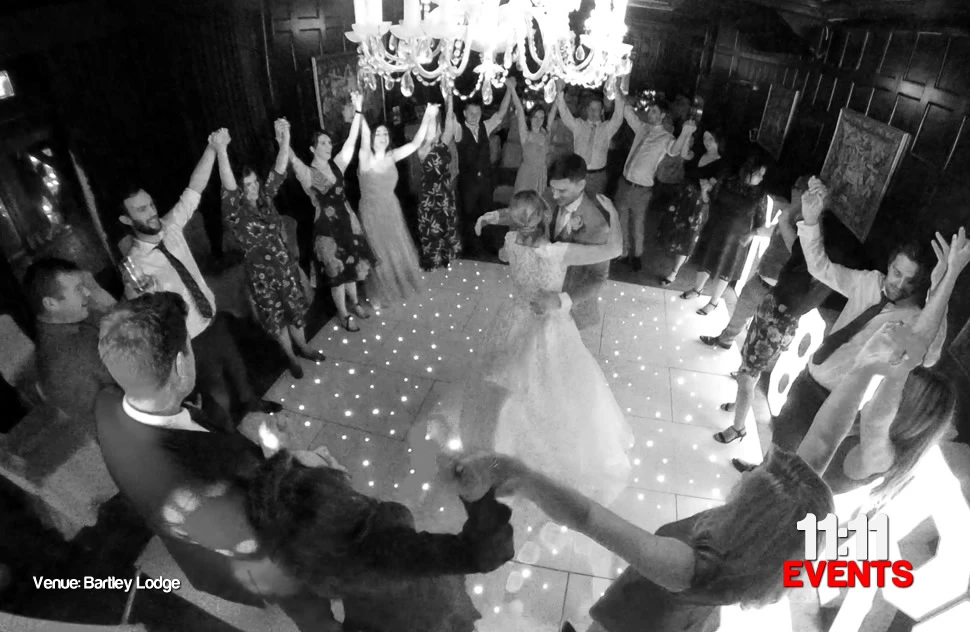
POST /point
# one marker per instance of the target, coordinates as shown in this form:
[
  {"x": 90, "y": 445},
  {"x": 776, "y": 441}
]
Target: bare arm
[
  {"x": 519, "y": 115},
  {"x": 503, "y": 109},
  {"x": 567, "y": 117},
  {"x": 616, "y": 121},
  {"x": 225, "y": 170},
  {"x": 283, "y": 156},
  {"x": 677, "y": 148},
  {"x": 835, "y": 418},
  {"x": 451, "y": 124},
  {"x": 551, "y": 119},
  {"x": 365, "y": 152},
  {"x": 203, "y": 170},
  {"x": 630, "y": 115},
  {"x": 406, "y": 150},
  {"x": 664, "y": 561},
  {"x": 347, "y": 151},
  {"x": 787, "y": 228},
  {"x": 583, "y": 254},
  {"x": 302, "y": 171}
]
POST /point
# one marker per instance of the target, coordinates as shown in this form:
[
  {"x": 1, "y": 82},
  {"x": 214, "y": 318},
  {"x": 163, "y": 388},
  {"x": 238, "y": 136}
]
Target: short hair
[
  {"x": 752, "y": 164},
  {"x": 754, "y": 531},
  {"x": 128, "y": 190},
  {"x": 140, "y": 339},
  {"x": 472, "y": 102},
  {"x": 315, "y": 137},
  {"x": 571, "y": 167},
  {"x": 42, "y": 280},
  {"x": 912, "y": 250}
]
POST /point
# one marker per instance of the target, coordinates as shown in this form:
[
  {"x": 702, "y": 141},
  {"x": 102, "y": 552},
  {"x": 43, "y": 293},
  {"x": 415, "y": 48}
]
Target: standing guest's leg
[
  {"x": 468, "y": 198},
  {"x": 752, "y": 294},
  {"x": 209, "y": 376},
  {"x": 644, "y": 195},
  {"x": 623, "y": 207},
  {"x": 805, "y": 399},
  {"x": 720, "y": 284},
  {"x": 234, "y": 367}
]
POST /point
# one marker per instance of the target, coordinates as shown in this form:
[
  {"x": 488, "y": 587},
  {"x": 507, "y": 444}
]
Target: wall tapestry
[
  {"x": 862, "y": 159},
  {"x": 777, "y": 118},
  {"x": 336, "y": 78}
]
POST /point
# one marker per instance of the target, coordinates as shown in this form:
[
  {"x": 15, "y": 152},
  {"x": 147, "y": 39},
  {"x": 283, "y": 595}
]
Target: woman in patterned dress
[
  {"x": 275, "y": 284},
  {"x": 341, "y": 249},
  {"x": 437, "y": 216}
]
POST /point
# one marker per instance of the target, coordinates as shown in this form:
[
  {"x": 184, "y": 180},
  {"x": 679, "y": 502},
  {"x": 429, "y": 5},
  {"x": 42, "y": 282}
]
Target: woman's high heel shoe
[{"x": 739, "y": 435}]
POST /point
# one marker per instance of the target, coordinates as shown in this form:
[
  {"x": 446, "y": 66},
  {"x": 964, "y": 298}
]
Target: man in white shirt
[
  {"x": 874, "y": 299},
  {"x": 163, "y": 260},
  {"x": 650, "y": 144},
  {"x": 592, "y": 136}
]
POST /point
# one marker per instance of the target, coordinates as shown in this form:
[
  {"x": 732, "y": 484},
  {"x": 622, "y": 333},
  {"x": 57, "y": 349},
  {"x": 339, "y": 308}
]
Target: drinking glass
[{"x": 135, "y": 277}]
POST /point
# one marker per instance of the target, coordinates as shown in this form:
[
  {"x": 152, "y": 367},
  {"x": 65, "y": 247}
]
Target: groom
[{"x": 571, "y": 217}]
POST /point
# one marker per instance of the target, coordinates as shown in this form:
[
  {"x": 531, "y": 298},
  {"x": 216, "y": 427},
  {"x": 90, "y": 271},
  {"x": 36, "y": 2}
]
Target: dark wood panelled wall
[{"x": 916, "y": 81}]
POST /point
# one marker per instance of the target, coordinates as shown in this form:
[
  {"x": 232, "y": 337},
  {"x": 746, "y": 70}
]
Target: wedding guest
[
  {"x": 340, "y": 247},
  {"x": 651, "y": 143},
  {"x": 533, "y": 128},
  {"x": 476, "y": 183},
  {"x": 680, "y": 576},
  {"x": 592, "y": 136},
  {"x": 437, "y": 214},
  {"x": 273, "y": 275},
  {"x": 398, "y": 278},
  {"x": 171, "y": 470},
  {"x": 782, "y": 238},
  {"x": 874, "y": 298},
  {"x": 738, "y": 207},
  {"x": 681, "y": 224},
  {"x": 911, "y": 408},
  {"x": 68, "y": 304},
  {"x": 160, "y": 252},
  {"x": 368, "y": 553}
]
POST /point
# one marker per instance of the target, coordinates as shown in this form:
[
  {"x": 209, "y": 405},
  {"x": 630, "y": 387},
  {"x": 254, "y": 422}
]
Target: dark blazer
[{"x": 584, "y": 284}]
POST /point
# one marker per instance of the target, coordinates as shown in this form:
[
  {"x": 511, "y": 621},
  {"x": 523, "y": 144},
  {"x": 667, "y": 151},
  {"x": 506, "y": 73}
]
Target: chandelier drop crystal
[{"x": 434, "y": 42}]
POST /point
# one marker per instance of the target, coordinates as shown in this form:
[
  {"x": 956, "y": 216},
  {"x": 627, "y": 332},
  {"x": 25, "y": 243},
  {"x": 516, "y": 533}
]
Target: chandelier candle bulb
[
  {"x": 375, "y": 11},
  {"x": 412, "y": 13},
  {"x": 360, "y": 11}
]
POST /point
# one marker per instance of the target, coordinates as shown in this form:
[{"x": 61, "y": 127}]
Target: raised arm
[
  {"x": 203, "y": 170},
  {"x": 225, "y": 169},
  {"x": 406, "y": 150},
  {"x": 686, "y": 133},
  {"x": 631, "y": 118},
  {"x": 952, "y": 259},
  {"x": 519, "y": 115},
  {"x": 838, "y": 277},
  {"x": 302, "y": 171},
  {"x": 786, "y": 226},
  {"x": 365, "y": 152},
  {"x": 616, "y": 121},
  {"x": 664, "y": 561},
  {"x": 503, "y": 109},
  {"x": 283, "y": 140},
  {"x": 183, "y": 210},
  {"x": 567, "y": 117},
  {"x": 450, "y": 129},
  {"x": 552, "y": 116},
  {"x": 347, "y": 151},
  {"x": 583, "y": 254}
]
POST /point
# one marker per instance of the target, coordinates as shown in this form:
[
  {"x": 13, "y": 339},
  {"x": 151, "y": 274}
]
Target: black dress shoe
[
  {"x": 743, "y": 466},
  {"x": 714, "y": 341},
  {"x": 265, "y": 406},
  {"x": 568, "y": 627}
]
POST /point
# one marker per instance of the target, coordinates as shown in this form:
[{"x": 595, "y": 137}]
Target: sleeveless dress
[
  {"x": 347, "y": 257},
  {"x": 539, "y": 394},
  {"x": 437, "y": 216},
  {"x": 534, "y": 168},
  {"x": 398, "y": 278}
]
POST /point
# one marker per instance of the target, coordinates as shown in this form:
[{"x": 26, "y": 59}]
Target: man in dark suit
[
  {"x": 572, "y": 217},
  {"x": 174, "y": 472}
]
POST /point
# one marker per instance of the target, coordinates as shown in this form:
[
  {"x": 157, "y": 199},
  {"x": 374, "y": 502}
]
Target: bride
[{"x": 539, "y": 394}]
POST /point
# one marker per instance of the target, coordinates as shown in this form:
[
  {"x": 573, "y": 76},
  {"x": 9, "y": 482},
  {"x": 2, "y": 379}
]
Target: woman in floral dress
[
  {"x": 275, "y": 284},
  {"x": 437, "y": 217},
  {"x": 340, "y": 246}
]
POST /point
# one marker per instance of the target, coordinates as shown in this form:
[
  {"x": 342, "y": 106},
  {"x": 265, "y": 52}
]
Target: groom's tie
[{"x": 562, "y": 220}]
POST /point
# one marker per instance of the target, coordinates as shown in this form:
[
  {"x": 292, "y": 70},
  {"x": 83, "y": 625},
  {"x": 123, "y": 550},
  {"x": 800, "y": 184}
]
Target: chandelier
[{"x": 434, "y": 42}]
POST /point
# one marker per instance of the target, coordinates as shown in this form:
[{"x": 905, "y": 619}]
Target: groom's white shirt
[{"x": 566, "y": 214}]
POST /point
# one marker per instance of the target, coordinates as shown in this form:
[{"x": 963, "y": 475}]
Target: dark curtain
[{"x": 139, "y": 104}]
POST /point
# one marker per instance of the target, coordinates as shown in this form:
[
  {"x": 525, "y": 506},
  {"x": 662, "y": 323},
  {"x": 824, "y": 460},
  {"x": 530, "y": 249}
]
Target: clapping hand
[{"x": 894, "y": 349}]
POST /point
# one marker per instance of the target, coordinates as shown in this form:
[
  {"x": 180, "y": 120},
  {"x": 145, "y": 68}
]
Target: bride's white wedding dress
[{"x": 539, "y": 394}]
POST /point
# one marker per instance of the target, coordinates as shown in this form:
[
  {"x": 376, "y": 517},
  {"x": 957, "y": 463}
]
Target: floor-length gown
[
  {"x": 398, "y": 277},
  {"x": 539, "y": 394},
  {"x": 535, "y": 156}
]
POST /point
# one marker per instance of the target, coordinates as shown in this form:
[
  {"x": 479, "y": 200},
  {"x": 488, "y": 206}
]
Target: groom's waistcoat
[{"x": 588, "y": 279}]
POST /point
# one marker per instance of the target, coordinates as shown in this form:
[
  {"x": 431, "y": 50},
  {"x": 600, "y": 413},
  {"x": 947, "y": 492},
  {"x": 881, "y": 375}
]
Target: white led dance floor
[{"x": 369, "y": 403}]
